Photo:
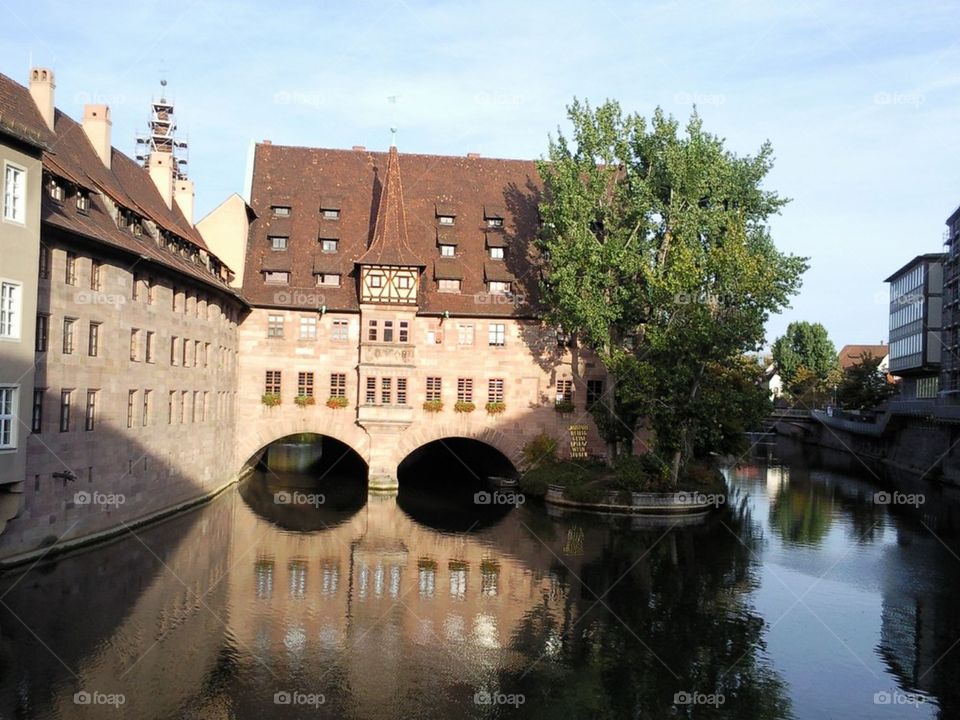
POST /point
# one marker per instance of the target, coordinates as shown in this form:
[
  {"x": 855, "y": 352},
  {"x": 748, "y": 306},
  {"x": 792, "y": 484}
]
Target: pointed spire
[{"x": 390, "y": 245}]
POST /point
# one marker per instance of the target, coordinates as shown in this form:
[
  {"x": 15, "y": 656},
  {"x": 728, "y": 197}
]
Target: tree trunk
[
  {"x": 682, "y": 446},
  {"x": 611, "y": 405}
]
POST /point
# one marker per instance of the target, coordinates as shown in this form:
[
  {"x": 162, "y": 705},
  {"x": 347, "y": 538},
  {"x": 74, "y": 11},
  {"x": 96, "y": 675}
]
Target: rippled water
[{"x": 803, "y": 598}]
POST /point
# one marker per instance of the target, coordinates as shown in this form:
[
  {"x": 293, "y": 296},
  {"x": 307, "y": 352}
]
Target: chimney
[
  {"x": 160, "y": 167},
  {"x": 183, "y": 194},
  {"x": 359, "y": 148},
  {"x": 41, "y": 90},
  {"x": 473, "y": 156},
  {"x": 96, "y": 124}
]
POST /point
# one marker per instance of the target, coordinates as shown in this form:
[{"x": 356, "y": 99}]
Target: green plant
[
  {"x": 304, "y": 400},
  {"x": 563, "y": 406},
  {"x": 270, "y": 399},
  {"x": 337, "y": 401},
  {"x": 433, "y": 405},
  {"x": 541, "y": 450},
  {"x": 495, "y": 408},
  {"x": 462, "y": 406}
]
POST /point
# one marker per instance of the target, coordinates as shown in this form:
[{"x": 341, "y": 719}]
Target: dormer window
[
  {"x": 280, "y": 210},
  {"x": 56, "y": 190},
  {"x": 136, "y": 226},
  {"x": 498, "y": 287},
  {"x": 495, "y": 222},
  {"x": 328, "y": 245},
  {"x": 272, "y": 277},
  {"x": 376, "y": 281},
  {"x": 496, "y": 253},
  {"x": 278, "y": 242},
  {"x": 448, "y": 250},
  {"x": 328, "y": 279},
  {"x": 445, "y": 219},
  {"x": 83, "y": 201},
  {"x": 330, "y": 211}
]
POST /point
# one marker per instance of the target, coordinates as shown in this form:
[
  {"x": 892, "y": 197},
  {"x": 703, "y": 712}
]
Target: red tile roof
[
  {"x": 850, "y": 354},
  {"x": 470, "y": 189},
  {"x": 70, "y": 156}
]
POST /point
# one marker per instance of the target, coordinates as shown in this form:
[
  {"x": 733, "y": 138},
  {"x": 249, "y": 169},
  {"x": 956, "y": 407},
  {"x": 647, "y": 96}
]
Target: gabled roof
[
  {"x": 390, "y": 244},
  {"x": 850, "y": 354}
]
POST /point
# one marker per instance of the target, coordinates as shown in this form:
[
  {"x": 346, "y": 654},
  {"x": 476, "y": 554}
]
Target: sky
[{"x": 861, "y": 101}]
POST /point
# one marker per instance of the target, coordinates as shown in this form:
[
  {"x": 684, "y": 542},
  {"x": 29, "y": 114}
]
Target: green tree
[
  {"x": 864, "y": 386},
  {"x": 658, "y": 256},
  {"x": 804, "y": 345}
]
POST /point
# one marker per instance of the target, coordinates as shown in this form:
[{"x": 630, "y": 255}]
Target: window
[
  {"x": 386, "y": 385},
  {"x": 36, "y": 417},
  {"x": 145, "y": 410},
  {"x": 328, "y": 279},
  {"x": 151, "y": 337},
  {"x": 135, "y": 345},
  {"x": 171, "y": 402},
  {"x": 90, "y": 414},
  {"x": 308, "y": 327},
  {"x": 372, "y": 331},
  {"x": 83, "y": 201},
  {"x": 305, "y": 384},
  {"x": 275, "y": 326},
  {"x": 185, "y": 353},
  {"x": 388, "y": 330},
  {"x": 196, "y": 408},
  {"x": 434, "y": 386},
  {"x": 495, "y": 222},
  {"x": 280, "y": 210},
  {"x": 594, "y": 392},
  {"x": 446, "y": 219},
  {"x": 56, "y": 190},
  {"x": 70, "y": 269},
  {"x": 371, "y": 395},
  {"x": 14, "y": 187},
  {"x": 8, "y": 416},
  {"x": 183, "y": 406},
  {"x": 44, "y": 261},
  {"x": 496, "y": 334},
  {"x": 498, "y": 287},
  {"x": 96, "y": 282},
  {"x": 404, "y": 331},
  {"x": 376, "y": 281},
  {"x": 93, "y": 339},
  {"x": 495, "y": 390},
  {"x": 135, "y": 287},
  {"x": 43, "y": 332},
  {"x": 66, "y": 396},
  {"x": 173, "y": 350},
  {"x": 339, "y": 330},
  {"x": 277, "y": 242},
  {"x": 464, "y": 334},
  {"x": 338, "y": 384},
  {"x": 174, "y": 294},
  {"x": 10, "y": 310},
  {"x": 206, "y": 354},
  {"x": 404, "y": 282},
  {"x": 271, "y": 385},
  {"x": 564, "y": 391},
  {"x": 401, "y": 391},
  {"x": 330, "y": 213},
  {"x": 448, "y": 285},
  {"x": 448, "y": 250},
  {"x": 276, "y": 277},
  {"x": 68, "y": 324},
  {"x": 496, "y": 253},
  {"x": 148, "y": 286},
  {"x": 131, "y": 401},
  {"x": 328, "y": 245},
  {"x": 465, "y": 390}
]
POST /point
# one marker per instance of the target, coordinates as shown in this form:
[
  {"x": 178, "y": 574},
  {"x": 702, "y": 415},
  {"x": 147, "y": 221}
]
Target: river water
[{"x": 804, "y": 598}]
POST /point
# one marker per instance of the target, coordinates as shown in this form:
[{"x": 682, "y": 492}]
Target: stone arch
[
  {"x": 482, "y": 431},
  {"x": 256, "y": 436}
]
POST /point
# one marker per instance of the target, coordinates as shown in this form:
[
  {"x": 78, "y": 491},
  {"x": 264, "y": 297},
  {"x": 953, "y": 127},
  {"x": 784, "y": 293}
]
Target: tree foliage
[
  {"x": 658, "y": 256},
  {"x": 864, "y": 386},
  {"x": 807, "y": 346}
]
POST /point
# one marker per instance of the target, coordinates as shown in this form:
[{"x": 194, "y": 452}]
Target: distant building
[
  {"x": 916, "y": 310},
  {"x": 950, "y": 370},
  {"x": 850, "y": 355}
]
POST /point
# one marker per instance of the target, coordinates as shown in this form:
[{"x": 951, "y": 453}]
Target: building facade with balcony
[{"x": 950, "y": 366}]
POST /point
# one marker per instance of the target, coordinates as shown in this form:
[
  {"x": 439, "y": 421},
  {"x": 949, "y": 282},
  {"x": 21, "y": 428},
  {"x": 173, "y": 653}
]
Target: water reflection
[{"x": 364, "y": 604}]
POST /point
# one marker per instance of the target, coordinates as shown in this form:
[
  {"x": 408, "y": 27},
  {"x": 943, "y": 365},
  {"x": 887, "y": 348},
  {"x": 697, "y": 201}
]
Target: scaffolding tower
[{"x": 162, "y": 136}]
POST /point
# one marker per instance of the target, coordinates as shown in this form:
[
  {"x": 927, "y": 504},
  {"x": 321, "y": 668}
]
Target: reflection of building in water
[
  {"x": 363, "y": 592},
  {"x": 143, "y": 617},
  {"x": 777, "y": 478}
]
